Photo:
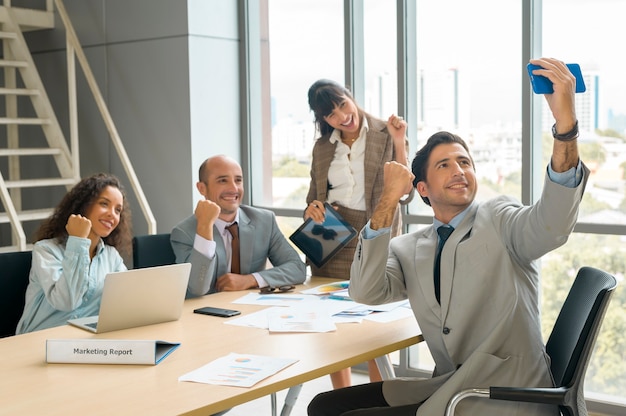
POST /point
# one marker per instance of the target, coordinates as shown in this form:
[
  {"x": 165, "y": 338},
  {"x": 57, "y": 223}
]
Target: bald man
[{"x": 203, "y": 239}]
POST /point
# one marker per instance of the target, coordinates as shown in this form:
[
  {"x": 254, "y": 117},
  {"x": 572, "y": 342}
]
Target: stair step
[
  {"x": 18, "y": 91},
  {"x": 28, "y": 215},
  {"x": 34, "y": 183},
  {"x": 8, "y": 35},
  {"x": 22, "y": 120},
  {"x": 15, "y": 64},
  {"x": 31, "y": 151}
]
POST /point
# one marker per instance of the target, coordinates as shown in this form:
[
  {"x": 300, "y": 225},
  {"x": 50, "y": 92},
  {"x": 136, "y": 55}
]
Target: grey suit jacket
[
  {"x": 378, "y": 150},
  {"x": 487, "y": 329},
  {"x": 260, "y": 240}
]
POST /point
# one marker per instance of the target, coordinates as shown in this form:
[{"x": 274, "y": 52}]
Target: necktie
[
  {"x": 444, "y": 232},
  {"x": 233, "y": 229}
]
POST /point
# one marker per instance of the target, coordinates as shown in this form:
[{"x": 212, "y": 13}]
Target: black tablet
[{"x": 320, "y": 242}]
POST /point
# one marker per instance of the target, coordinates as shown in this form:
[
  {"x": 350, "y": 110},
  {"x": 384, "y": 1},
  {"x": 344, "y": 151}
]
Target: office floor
[{"x": 262, "y": 406}]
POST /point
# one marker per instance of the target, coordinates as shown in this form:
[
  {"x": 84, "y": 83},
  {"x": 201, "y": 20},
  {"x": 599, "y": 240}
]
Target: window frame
[{"x": 255, "y": 93}]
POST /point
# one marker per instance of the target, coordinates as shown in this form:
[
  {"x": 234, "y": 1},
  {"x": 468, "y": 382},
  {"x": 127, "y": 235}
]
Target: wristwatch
[{"x": 566, "y": 137}]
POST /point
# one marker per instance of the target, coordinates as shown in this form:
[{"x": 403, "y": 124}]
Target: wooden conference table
[{"x": 28, "y": 385}]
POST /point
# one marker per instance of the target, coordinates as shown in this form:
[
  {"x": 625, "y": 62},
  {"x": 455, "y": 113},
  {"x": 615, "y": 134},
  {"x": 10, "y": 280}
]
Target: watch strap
[{"x": 566, "y": 137}]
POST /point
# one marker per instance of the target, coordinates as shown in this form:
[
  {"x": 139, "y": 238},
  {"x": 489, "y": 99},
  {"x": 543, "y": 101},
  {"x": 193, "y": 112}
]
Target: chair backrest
[
  {"x": 152, "y": 250},
  {"x": 15, "y": 268},
  {"x": 575, "y": 331}
]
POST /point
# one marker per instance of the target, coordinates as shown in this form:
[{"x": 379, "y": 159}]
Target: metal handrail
[{"x": 13, "y": 217}]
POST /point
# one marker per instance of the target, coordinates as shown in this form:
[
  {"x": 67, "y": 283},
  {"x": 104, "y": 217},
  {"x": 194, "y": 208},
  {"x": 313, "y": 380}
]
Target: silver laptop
[{"x": 139, "y": 297}]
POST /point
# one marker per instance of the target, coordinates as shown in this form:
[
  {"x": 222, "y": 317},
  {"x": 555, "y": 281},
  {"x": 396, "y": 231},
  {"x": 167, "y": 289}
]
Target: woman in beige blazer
[{"x": 347, "y": 172}]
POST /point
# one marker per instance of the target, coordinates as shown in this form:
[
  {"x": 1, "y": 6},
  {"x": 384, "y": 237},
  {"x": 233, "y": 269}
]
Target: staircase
[
  {"x": 27, "y": 107},
  {"x": 21, "y": 85}
]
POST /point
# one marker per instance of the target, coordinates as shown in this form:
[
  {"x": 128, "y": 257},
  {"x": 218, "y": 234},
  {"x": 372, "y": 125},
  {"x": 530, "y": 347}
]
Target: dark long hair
[
  {"x": 324, "y": 96},
  {"x": 419, "y": 167},
  {"x": 77, "y": 201}
]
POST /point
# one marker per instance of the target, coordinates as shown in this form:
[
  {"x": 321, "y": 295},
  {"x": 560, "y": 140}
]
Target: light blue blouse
[{"x": 64, "y": 283}]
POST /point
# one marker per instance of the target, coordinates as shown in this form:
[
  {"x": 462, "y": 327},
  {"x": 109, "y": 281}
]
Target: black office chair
[
  {"x": 152, "y": 250},
  {"x": 15, "y": 268},
  {"x": 569, "y": 346}
]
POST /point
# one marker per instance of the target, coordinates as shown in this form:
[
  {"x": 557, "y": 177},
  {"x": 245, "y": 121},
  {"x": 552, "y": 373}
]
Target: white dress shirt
[{"x": 346, "y": 173}]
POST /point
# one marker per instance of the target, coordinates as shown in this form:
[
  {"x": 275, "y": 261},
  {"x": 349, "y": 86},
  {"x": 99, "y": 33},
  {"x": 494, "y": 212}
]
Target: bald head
[
  {"x": 213, "y": 162},
  {"x": 221, "y": 181}
]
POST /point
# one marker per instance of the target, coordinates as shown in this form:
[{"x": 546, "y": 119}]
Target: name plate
[{"x": 108, "y": 351}]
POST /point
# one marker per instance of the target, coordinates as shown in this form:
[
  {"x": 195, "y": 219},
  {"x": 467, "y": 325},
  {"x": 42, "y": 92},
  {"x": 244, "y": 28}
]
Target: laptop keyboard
[{"x": 92, "y": 324}]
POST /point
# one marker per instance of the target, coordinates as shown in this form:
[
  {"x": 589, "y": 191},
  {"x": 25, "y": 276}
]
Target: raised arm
[{"x": 562, "y": 104}]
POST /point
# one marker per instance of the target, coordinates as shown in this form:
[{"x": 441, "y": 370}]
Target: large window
[
  {"x": 469, "y": 79},
  {"x": 602, "y": 109},
  {"x": 380, "y": 58},
  {"x": 305, "y": 44},
  {"x": 601, "y": 112}
]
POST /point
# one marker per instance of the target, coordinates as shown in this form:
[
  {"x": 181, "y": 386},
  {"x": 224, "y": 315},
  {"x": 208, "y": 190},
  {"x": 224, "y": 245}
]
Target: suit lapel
[
  {"x": 424, "y": 261},
  {"x": 246, "y": 241},
  {"x": 220, "y": 253},
  {"x": 448, "y": 258},
  {"x": 322, "y": 164},
  {"x": 375, "y": 153}
]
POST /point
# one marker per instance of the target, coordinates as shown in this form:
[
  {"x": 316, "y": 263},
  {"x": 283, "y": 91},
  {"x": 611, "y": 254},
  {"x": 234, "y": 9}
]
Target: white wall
[{"x": 169, "y": 72}]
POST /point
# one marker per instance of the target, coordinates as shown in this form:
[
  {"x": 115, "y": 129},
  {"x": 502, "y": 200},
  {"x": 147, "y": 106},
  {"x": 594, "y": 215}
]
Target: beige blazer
[
  {"x": 487, "y": 329},
  {"x": 378, "y": 150}
]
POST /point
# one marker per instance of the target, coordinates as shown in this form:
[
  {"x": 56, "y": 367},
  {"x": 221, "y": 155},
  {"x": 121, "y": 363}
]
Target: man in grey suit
[
  {"x": 481, "y": 318},
  {"x": 204, "y": 240}
]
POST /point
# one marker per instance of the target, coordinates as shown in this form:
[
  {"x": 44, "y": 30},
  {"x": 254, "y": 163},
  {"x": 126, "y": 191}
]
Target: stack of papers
[
  {"x": 239, "y": 370},
  {"x": 315, "y": 310}
]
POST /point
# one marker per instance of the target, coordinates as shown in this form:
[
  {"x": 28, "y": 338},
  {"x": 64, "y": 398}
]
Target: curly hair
[
  {"x": 324, "y": 96},
  {"x": 77, "y": 201}
]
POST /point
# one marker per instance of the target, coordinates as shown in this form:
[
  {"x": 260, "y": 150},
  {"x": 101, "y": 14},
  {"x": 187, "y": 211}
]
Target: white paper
[
  {"x": 299, "y": 320},
  {"x": 275, "y": 299},
  {"x": 253, "y": 320},
  {"x": 389, "y": 316},
  {"x": 386, "y": 307},
  {"x": 238, "y": 370}
]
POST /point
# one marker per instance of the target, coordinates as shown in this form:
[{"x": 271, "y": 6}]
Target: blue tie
[{"x": 444, "y": 232}]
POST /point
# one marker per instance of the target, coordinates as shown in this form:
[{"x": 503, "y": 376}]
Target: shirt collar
[
  {"x": 335, "y": 136},
  {"x": 100, "y": 246},
  {"x": 221, "y": 224},
  {"x": 456, "y": 220}
]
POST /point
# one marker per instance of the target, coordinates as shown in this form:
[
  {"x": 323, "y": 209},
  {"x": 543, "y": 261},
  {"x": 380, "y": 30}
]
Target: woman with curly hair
[{"x": 75, "y": 248}]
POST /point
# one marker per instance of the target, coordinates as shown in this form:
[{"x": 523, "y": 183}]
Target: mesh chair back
[
  {"x": 575, "y": 331},
  {"x": 152, "y": 250},
  {"x": 15, "y": 268}
]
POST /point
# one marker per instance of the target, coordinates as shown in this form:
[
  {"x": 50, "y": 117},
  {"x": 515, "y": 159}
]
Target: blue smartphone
[{"x": 542, "y": 85}]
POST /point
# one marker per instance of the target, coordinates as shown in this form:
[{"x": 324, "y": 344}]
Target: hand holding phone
[
  {"x": 224, "y": 313},
  {"x": 542, "y": 85}
]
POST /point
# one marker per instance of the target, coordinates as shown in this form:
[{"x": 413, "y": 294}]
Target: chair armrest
[
  {"x": 463, "y": 394},
  {"x": 547, "y": 395}
]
